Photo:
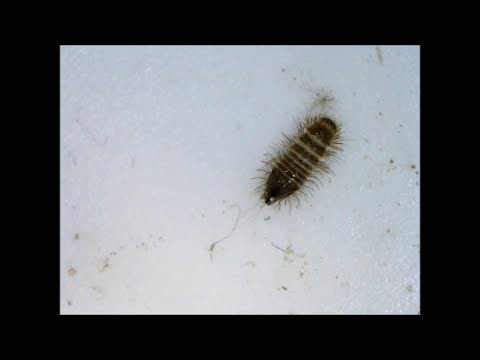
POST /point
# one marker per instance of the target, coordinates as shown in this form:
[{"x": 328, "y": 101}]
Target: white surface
[{"x": 158, "y": 145}]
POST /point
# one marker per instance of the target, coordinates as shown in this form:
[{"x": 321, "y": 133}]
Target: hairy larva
[{"x": 295, "y": 164}]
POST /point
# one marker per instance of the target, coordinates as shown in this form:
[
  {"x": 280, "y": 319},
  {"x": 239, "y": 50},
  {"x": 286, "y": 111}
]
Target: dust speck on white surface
[
  {"x": 72, "y": 271},
  {"x": 158, "y": 143},
  {"x": 379, "y": 54}
]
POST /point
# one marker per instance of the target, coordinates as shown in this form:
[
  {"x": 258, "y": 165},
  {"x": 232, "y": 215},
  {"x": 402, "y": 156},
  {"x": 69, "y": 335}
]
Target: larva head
[{"x": 278, "y": 187}]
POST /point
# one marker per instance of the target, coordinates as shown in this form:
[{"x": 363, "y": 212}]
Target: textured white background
[{"x": 158, "y": 148}]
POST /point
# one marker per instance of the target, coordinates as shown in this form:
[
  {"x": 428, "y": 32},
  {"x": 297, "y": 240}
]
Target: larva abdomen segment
[{"x": 305, "y": 153}]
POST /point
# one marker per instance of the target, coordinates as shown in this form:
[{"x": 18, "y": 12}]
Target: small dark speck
[
  {"x": 283, "y": 70},
  {"x": 378, "y": 51},
  {"x": 284, "y": 288},
  {"x": 388, "y": 230},
  {"x": 267, "y": 218},
  {"x": 391, "y": 161},
  {"x": 69, "y": 303},
  {"x": 401, "y": 125},
  {"x": 412, "y": 166},
  {"x": 72, "y": 156},
  {"x": 106, "y": 265},
  {"x": 398, "y": 131},
  {"x": 76, "y": 236},
  {"x": 416, "y": 172},
  {"x": 398, "y": 203},
  {"x": 294, "y": 78},
  {"x": 409, "y": 288},
  {"x": 72, "y": 271},
  {"x": 336, "y": 277},
  {"x": 379, "y": 113}
]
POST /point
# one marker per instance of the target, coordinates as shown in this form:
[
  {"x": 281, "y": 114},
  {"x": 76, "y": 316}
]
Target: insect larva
[{"x": 295, "y": 164}]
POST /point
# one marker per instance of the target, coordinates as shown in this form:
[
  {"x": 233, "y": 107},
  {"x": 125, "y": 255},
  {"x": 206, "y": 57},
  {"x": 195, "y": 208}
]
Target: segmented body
[{"x": 299, "y": 158}]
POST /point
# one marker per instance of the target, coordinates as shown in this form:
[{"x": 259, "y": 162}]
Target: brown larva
[{"x": 295, "y": 164}]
